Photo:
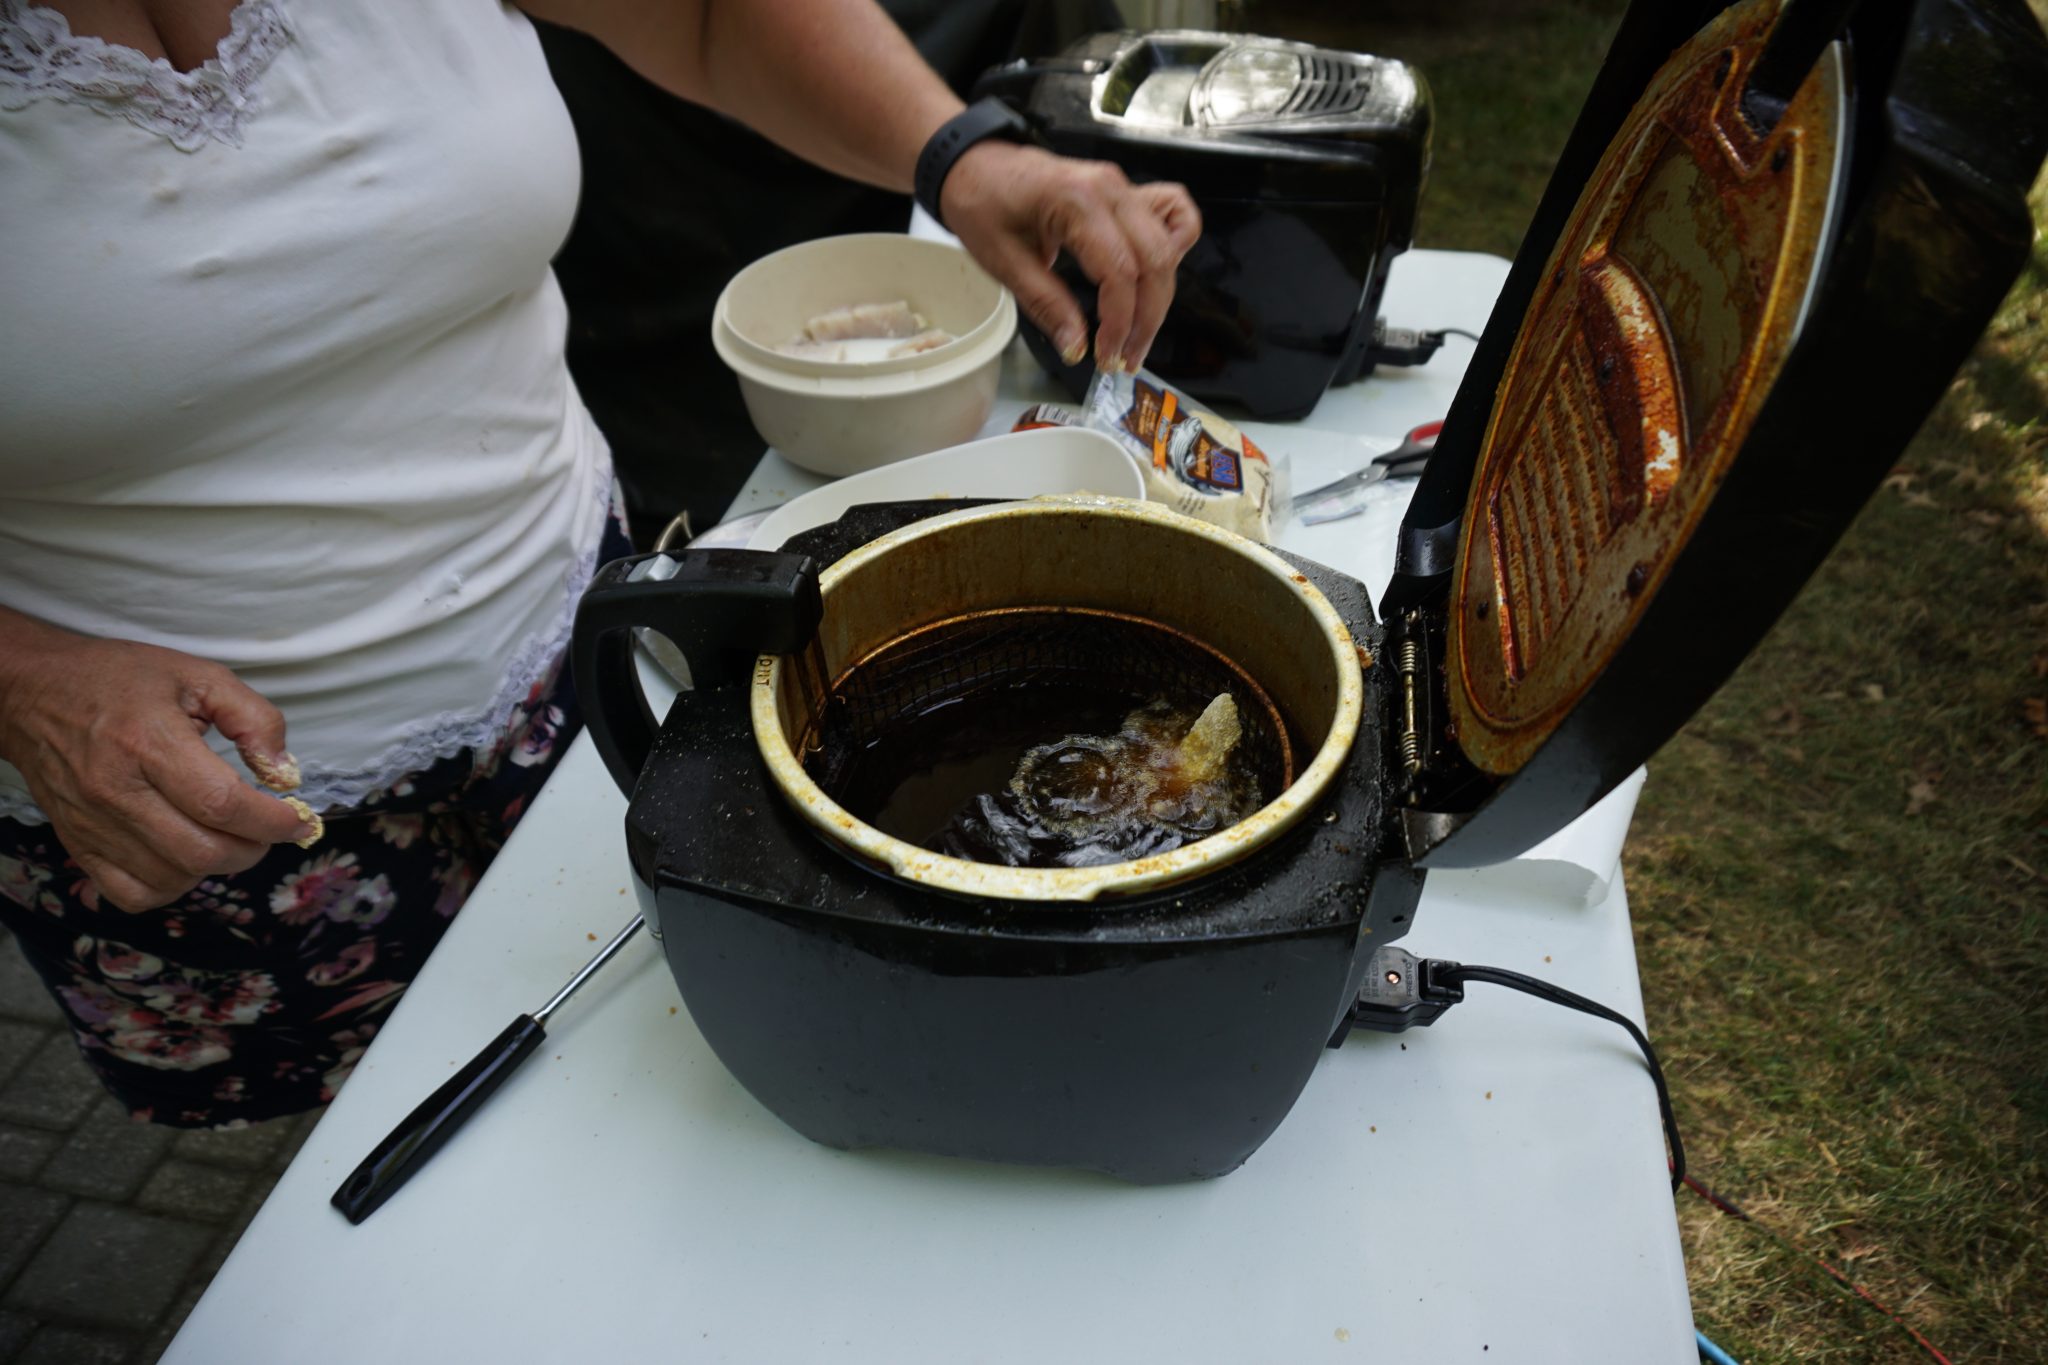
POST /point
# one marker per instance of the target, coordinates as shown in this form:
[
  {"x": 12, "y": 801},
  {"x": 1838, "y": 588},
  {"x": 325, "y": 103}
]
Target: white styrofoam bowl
[
  {"x": 841, "y": 418},
  {"x": 1018, "y": 464}
]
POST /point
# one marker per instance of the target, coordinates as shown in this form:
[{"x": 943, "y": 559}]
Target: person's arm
[
  {"x": 107, "y": 734},
  {"x": 837, "y": 83}
]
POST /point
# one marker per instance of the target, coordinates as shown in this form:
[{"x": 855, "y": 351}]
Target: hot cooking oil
[{"x": 1057, "y": 776}]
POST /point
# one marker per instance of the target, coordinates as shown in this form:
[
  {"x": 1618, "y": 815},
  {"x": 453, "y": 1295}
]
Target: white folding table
[{"x": 1491, "y": 1189}]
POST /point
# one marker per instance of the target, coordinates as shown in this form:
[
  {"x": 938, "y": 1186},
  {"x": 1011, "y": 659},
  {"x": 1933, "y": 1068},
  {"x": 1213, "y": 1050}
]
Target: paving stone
[
  {"x": 22, "y": 993},
  {"x": 108, "y": 1156},
  {"x": 301, "y": 1128},
  {"x": 15, "y": 1329},
  {"x": 54, "y": 1090},
  {"x": 247, "y": 1149},
  {"x": 17, "y": 1042},
  {"x": 166, "y": 1330},
  {"x": 28, "y": 1215},
  {"x": 109, "y": 1266},
  {"x": 69, "y": 1346},
  {"x": 188, "y": 1189},
  {"x": 217, "y": 1254},
  {"x": 23, "y": 1152}
]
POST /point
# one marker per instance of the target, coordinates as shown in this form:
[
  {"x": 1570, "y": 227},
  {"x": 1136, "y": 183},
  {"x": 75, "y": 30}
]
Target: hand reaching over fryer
[
  {"x": 108, "y": 736},
  {"x": 1016, "y": 207},
  {"x": 841, "y": 86}
]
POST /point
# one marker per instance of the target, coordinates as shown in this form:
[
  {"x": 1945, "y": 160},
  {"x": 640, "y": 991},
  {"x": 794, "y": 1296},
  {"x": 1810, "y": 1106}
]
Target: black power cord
[
  {"x": 1558, "y": 995},
  {"x": 1403, "y": 991},
  {"x": 1407, "y": 346}
]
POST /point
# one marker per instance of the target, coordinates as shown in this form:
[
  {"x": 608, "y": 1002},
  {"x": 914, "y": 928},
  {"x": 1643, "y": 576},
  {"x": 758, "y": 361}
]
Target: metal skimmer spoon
[{"x": 413, "y": 1142}]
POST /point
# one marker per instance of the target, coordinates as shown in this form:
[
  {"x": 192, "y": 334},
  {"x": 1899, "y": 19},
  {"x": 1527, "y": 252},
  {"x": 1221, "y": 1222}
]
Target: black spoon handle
[{"x": 412, "y": 1142}]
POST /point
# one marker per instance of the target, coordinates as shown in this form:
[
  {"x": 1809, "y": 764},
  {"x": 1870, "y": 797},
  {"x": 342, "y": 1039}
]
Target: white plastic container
[
  {"x": 838, "y": 418},
  {"x": 1018, "y": 464}
]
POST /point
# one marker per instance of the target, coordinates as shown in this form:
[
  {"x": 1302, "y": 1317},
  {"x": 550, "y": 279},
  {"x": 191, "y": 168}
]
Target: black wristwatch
[{"x": 982, "y": 119}]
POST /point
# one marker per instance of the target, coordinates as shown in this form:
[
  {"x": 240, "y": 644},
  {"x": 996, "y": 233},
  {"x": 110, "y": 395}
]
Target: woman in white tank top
[{"x": 289, "y": 457}]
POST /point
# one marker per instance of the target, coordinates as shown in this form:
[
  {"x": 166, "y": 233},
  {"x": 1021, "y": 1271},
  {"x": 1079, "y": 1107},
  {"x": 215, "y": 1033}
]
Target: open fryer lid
[{"x": 1777, "y": 229}]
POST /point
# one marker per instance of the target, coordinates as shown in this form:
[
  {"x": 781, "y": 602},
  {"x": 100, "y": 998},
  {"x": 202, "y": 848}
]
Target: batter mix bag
[{"x": 1194, "y": 462}]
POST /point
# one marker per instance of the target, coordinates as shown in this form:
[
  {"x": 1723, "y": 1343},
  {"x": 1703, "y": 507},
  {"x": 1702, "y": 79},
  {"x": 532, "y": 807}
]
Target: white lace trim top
[
  {"x": 281, "y": 363},
  {"x": 40, "y": 58}
]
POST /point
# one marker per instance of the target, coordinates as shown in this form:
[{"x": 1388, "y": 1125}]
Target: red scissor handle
[{"x": 1413, "y": 452}]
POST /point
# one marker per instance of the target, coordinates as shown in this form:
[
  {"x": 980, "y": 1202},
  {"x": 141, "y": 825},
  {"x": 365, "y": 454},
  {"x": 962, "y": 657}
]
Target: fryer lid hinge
[
  {"x": 1411, "y": 666},
  {"x": 1411, "y": 732}
]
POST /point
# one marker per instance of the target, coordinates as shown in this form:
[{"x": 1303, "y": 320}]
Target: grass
[
  {"x": 1839, "y": 870},
  {"x": 1842, "y": 913}
]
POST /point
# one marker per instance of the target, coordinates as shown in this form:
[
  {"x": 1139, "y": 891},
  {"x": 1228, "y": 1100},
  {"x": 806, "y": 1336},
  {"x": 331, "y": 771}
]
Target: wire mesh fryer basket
[{"x": 1020, "y": 649}]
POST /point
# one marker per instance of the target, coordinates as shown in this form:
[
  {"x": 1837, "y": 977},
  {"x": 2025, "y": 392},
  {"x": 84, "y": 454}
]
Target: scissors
[{"x": 1343, "y": 498}]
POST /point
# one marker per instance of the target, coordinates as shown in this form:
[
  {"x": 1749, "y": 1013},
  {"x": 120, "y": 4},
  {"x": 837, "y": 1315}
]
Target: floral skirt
[{"x": 254, "y": 995}]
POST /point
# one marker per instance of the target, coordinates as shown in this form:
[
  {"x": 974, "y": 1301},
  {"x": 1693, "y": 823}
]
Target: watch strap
[{"x": 983, "y": 119}]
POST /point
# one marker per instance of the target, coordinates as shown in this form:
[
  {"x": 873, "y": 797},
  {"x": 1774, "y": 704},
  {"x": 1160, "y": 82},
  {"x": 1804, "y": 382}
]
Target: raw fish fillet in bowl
[{"x": 834, "y": 378}]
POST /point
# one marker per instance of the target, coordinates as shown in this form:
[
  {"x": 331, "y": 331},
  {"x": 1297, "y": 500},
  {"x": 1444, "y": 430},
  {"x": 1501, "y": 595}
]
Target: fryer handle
[{"x": 720, "y": 608}]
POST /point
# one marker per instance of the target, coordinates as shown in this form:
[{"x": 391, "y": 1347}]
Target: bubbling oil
[
  {"x": 1060, "y": 778},
  {"x": 1164, "y": 778},
  {"x": 1048, "y": 737}
]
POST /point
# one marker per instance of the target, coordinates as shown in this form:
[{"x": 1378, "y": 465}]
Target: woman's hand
[
  {"x": 1016, "y": 207},
  {"x": 108, "y": 735},
  {"x": 839, "y": 85}
]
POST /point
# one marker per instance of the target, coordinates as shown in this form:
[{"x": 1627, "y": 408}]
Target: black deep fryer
[
  {"x": 1775, "y": 233},
  {"x": 1306, "y": 164}
]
